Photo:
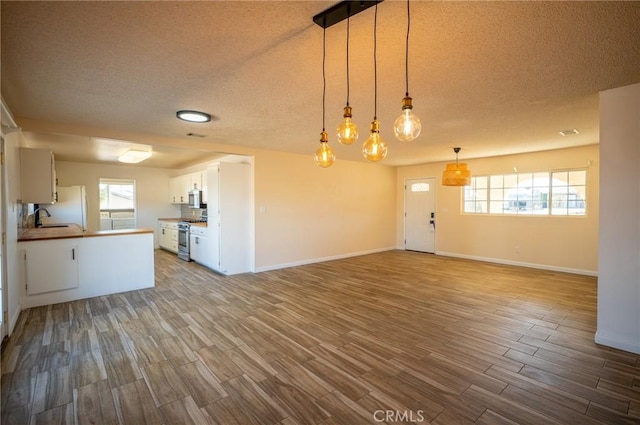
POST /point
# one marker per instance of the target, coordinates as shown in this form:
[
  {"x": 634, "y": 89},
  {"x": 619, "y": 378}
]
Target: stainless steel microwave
[{"x": 195, "y": 199}]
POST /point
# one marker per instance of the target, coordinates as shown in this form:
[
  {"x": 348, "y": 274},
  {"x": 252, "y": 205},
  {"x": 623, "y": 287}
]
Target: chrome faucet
[{"x": 39, "y": 222}]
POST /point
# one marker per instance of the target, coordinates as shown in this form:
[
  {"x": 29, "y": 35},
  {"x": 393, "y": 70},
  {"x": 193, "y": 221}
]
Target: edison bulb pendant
[
  {"x": 374, "y": 148},
  {"x": 324, "y": 156},
  {"x": 347, "y": 131},
  {"x": 407, "y": 127}
]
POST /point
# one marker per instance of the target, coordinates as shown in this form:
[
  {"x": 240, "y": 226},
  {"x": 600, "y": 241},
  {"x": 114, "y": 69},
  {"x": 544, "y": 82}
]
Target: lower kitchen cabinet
[
  {"x": 97, "y": 263},
  {"x": 168, "y": 231},
  {"x": 199, "y": 249},
  {"x": 51, "y": 267}
]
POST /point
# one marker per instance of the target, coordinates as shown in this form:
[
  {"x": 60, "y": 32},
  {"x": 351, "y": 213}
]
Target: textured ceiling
[{"x": 493, "y": 77}]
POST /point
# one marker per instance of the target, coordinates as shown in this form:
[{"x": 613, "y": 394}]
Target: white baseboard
[
  {"x": 13, "y": 320},
  {"x": 616, "y": 341},
  {"x": 520, "y": 263},
  {"x": 321, "y": 259}
]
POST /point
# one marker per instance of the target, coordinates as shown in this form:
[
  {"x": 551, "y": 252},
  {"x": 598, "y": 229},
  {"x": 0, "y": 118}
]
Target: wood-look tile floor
[{"x": 395, "y": 337}]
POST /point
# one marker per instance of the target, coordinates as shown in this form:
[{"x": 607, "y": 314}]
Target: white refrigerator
[{"x": 70, "y": 208}]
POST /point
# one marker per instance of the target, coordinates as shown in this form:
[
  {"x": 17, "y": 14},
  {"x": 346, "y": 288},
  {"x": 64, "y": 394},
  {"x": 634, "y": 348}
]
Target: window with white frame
[{"x": 539, "y": 193}]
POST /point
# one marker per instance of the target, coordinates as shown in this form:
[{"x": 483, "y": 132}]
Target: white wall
[
  {"x": 152, "y": 190},
  {"x": 304, "y": 213},
  {"x": 619, "y": 246},
  {"x": 557, "y": 243}
]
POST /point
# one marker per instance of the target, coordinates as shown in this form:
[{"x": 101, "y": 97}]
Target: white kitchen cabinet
[
  {"x": 229, "y": 217},
  {"x": 195, "y": 181},
  {"x": 205, "y": 183},
  {"x": 199, "y": 246},
  {"x": 104, "y": 264},
  {"x": 38, "y": 175},
  {"x": 179, "y": 187},
  {"x": 51, "y": 266},
  {"x": 168, "y": 231}
]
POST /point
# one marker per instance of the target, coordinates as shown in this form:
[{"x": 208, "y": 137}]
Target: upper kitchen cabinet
[
  {"x": 203, "y": 187},
  {"x": 179, "y": 189},
  {"x": 38, "y": 176},
  {"x": 180, "y": 186}
]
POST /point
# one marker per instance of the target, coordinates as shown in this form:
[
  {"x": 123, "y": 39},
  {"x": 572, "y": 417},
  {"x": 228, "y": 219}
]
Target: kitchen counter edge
[{"x": 42, "y": 234}]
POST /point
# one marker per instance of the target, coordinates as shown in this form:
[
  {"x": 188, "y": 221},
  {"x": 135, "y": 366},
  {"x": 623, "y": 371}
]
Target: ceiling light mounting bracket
[{"x": 341, "y": 11}]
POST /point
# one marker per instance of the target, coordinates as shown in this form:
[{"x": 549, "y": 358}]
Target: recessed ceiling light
[
  {"x": 569, "y": 132},
  {"x": 193, "y": 116}
]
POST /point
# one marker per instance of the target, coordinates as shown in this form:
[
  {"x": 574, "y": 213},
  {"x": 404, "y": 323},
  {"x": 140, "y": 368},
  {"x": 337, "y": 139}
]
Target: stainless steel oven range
[{"x": 183, "y": 241}]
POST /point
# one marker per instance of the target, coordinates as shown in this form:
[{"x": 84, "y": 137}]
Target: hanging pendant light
[
  {"x": 324, "y": 156},
  {"x": 407, "y": 126},
  {"x": 347, "y": 131},
  {"x": 374, "y": 148},
  {"x": 456, "y": 174}
]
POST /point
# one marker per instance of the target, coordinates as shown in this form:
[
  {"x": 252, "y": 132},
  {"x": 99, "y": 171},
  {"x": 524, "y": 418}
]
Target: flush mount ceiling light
[
  {"x": 456, "y": 174},
  {"x": 193, "y": 116},
  {"x": 133, "y": 156}
]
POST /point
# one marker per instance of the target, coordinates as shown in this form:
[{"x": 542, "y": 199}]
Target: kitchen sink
[{"x": 48, "y": 226}]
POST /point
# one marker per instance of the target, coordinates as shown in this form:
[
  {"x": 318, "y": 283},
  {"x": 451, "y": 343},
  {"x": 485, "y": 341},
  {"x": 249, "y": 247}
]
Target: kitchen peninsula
[{"x": 61, "y": 264}]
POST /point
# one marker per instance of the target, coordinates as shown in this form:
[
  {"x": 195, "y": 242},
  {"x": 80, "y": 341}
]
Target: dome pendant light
[
  {"x": 456, "y": 174},
  {"x": 324, "y": 156},
  {"x": 407, "y": 126},
  {"x": 347, "y": 131},
  {"x": 374, "y": 148}
]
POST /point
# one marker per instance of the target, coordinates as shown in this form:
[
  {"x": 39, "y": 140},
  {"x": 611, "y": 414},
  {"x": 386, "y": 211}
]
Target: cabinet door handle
[
  {"x": 163, "y": 231},
  {"x": 73, "y": 254}
]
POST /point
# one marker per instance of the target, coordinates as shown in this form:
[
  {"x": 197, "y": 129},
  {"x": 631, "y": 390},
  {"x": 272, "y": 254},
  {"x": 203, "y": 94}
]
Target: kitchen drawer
[
  {"x": 198, "y": 231},
  {"x": 168, "y": 224}
]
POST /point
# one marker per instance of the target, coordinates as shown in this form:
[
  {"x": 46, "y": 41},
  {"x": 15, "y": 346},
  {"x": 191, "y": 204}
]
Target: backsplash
[
  {"x": 25, "y": 218},
  {"x": 193, "y": 213}
]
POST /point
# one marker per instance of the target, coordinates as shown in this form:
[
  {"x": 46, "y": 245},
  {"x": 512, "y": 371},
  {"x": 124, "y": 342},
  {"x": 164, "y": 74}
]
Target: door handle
[{"x": 73, "y": 254}]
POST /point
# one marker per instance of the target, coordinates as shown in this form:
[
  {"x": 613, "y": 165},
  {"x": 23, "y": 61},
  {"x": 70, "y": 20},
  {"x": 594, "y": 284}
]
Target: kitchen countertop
[
  {"x": 73, "y": 231},
  {"x": 178, "y": 220}
]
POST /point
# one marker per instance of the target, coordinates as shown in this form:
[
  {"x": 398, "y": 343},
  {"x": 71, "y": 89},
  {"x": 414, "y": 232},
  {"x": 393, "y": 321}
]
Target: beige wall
[
  {"x": 152, "y": 189},
  {"x": 562, "y": 243},
  {"x": 305, "y": 213}
]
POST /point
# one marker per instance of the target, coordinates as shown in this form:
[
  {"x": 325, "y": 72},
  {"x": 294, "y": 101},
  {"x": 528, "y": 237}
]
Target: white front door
[{"x": 420, "y": 215}]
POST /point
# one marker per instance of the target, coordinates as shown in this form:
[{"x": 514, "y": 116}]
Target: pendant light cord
[
  {"x": 375, "y": 64},
  {"x": 324, "y": 79},
  {"x": 348, "y": 24},
  {"x": 406, "y": 55}
]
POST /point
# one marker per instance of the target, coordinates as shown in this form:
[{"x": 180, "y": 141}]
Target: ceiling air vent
[
  {"x": 569, "y": 132},
  {"x": 196, "y": 135}
]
